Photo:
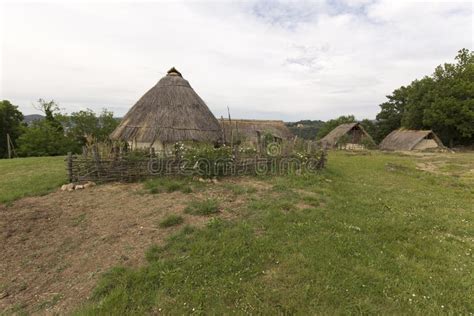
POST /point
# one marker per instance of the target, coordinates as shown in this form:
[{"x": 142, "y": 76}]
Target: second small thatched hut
[{"x": 350, "y": 136}]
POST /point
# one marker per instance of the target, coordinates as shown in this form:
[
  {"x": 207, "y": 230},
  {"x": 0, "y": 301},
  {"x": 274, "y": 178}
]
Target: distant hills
[
  {"x": 305, "y": 129},
  {"x": 28, "y": 119}
]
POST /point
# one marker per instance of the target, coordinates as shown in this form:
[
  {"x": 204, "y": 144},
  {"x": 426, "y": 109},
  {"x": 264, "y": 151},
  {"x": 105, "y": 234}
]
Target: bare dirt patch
[{"x": 55, "y": 247}]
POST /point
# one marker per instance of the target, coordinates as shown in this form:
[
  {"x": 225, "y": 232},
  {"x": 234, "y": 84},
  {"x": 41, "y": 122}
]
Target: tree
[
  {"x": 419, "y": 96},
  {"x": 46, "y": 137},
  {"x": 43, "y": 138},
  {"x": 84, "y": 125},
  {"x": 451, "y": 114},
  {"x": 332, "y": 124},
  {"x": 10, "y": 123},
  {"x": 391, "y": 113},
  {"x": 369, "y": 126},
  {"x": 443, "y": 102},
  {"x": 52, "y": 113}
]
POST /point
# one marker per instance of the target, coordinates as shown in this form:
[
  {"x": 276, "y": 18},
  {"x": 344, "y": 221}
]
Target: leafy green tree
[
  {"x": 369, "y": 126},
  {"x": 43, "y": 138},
  {"x": 332, "y": 124},
  {"x": 451, "y": 114},
  {"x": 391, "y": 113},
  {"x": 443, "y": 102},
  {"x": 51, "y": 112},
  {"x": 84, "y": 125},
  {"x": 10, "y": 123},
  {"x": 419, "y": 99}
]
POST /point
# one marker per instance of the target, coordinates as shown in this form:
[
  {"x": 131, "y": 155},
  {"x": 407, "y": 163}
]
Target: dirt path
[{"x": 55, "y": 247}]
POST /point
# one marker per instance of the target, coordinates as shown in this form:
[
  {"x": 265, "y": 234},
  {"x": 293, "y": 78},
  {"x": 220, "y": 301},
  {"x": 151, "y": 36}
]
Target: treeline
[
  {"x": 56, "y": 134},
  {"x": 305, "y": 129},
  {"x": 442, "y": 102}
]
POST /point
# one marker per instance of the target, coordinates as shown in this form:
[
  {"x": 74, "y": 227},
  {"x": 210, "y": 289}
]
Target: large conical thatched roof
[{"x": 169, "y": 112}]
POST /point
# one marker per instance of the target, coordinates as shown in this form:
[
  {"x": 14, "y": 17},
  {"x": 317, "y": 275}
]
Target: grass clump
[
  {"x": 203, "y": 208},
  {"x": 171, "y": 220},
  {"x": 153, "y": 253},
  {"x": 240, "y": 189},
  {"x": 168, "y": 185}
]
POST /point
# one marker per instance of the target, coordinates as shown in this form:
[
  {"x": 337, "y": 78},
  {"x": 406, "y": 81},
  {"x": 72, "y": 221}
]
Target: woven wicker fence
[{"x": 92, "y": 167}]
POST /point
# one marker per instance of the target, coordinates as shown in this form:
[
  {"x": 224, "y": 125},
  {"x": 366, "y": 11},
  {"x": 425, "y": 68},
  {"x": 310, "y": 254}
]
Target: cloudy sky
[{"x": 265, "y": 59}]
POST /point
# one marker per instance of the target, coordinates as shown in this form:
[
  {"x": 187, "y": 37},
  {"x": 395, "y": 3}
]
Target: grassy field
[
  {"x": 22, "y": 177},
  {"x": 371, "y": 234}
]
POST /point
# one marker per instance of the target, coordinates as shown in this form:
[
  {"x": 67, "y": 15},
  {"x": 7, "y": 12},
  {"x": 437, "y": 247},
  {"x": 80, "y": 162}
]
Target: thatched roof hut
[
  {"x": 169, "y": 112},
  {"x": 354, "y": 133},
  {"x": 405, "y": 139},
  {"x": 251, "y": 130}
]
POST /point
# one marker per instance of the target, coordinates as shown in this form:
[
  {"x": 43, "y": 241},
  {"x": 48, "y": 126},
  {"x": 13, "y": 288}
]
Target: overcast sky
[{"x": 286, "y": 60}]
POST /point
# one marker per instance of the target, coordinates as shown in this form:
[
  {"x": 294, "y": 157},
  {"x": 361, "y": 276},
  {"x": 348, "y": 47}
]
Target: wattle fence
[{"x": 90, "y": 166}]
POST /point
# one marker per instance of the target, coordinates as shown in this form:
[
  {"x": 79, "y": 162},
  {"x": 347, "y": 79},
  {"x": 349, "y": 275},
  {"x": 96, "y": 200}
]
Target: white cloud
[{"x": 288, "y": 60}]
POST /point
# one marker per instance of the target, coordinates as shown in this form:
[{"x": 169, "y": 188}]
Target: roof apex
[{"x": 174, "y": 72}]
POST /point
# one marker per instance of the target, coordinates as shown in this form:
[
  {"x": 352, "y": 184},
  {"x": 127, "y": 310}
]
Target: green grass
[
  {"x": 203, "y": 208},
  {"x": 171, "y": 184},
  {"x": 22, "y": 177},
  {"x": 376, "y": 236},
  {"x": 171, "y": 220},
  {"x": 379, "y": 237}
]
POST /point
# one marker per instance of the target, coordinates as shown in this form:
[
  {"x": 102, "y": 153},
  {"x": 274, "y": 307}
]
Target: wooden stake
[{"x": 8, "y": 147}]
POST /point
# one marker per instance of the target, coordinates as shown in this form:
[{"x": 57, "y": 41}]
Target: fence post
[
  {"x": 96, "y": 156},
  {"x": 69, "y": 167}
]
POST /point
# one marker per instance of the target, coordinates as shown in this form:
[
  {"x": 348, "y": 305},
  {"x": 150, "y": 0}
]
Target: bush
[
  {"x": 171, "y": 220},
  {"x": 206, "y": 207},
  {"x": 209, "y": 161},
  {"x": 42, "y": 138}
]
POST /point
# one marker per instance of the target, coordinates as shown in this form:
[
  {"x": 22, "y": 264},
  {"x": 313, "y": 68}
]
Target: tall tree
[
  {"x": 391, "y": 113},
  {"x": 443, "y": 102},
  {"x": 451, "y": 113},
  {"x": 85, "y": 125},
  {"x": 52, "y": 113},
  {"x": 10, "y": 123}
]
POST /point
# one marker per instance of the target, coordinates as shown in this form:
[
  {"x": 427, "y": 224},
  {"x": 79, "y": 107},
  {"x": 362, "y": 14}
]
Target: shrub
[
  {"x": 171, "y": 220},
  {"x": 206, "y": 207},
  {"x": 209, "y": 161}
]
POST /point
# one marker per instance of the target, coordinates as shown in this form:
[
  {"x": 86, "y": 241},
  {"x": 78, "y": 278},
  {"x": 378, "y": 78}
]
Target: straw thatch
[
  {"x": 355, "y": 131},
  {"x": 250, "y": 130},
  {"x": 404, "y": 139},
  {"x": 169, "y": 112}
]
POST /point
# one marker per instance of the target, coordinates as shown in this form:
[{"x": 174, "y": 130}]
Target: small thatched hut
[
  {"x": 405, "y": 139},
  {"x": 169, "y": 112},
  {"x": 251, "y": 131},
  {"x": 350, "y": 136}
]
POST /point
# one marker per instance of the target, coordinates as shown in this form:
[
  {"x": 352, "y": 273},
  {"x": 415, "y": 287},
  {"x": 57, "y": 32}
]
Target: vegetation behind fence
[{"x": 100, "y": 164}]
